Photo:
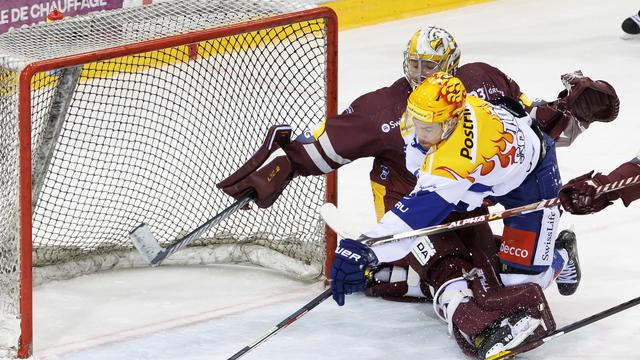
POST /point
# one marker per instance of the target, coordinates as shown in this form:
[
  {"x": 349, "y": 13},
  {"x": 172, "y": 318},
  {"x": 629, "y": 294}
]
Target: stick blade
[
  {"x": 145, "y": 242},
  {"x": 337, "y": 222}
]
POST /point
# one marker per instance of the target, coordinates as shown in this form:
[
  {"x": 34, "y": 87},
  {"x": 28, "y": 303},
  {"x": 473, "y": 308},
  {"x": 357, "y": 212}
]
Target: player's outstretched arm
[
  {"x": 364, "y": 130},
  {"x": 579, "y": 195}
]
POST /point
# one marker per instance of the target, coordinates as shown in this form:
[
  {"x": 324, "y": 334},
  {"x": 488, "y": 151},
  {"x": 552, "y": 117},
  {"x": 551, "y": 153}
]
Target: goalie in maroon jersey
[{"x": 370, "y": 127}]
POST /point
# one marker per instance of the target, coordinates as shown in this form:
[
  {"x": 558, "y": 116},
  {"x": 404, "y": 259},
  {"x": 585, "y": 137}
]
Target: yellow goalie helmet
[
  {"x": 440, "y": 99},
  {"x": 430, "y": 50}
]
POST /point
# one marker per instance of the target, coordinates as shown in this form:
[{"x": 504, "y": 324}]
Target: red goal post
[{"x": 100, "y": 69}]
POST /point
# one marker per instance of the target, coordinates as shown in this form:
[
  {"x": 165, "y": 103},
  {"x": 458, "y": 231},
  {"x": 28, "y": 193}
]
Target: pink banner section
[{"x": 18, "y": 13}]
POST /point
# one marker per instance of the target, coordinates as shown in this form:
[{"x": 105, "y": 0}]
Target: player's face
[
  {"x": 420, "y": 69},
  {"x": 427, "y": 134}
]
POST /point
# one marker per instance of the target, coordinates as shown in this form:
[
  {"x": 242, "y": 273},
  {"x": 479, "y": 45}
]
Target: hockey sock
[{"x": 560, "y": 260}]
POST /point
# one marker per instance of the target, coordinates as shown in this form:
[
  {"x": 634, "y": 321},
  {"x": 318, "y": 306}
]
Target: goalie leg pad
[
  {"x": 395, "y": 282},
  {"x": 479, "y": 315},
  {"x": 439, "y": 259},
  {"x": 442, "y": 257},
  {"x": 478, "y": 240},
  {"x": 430, "y": 263}
]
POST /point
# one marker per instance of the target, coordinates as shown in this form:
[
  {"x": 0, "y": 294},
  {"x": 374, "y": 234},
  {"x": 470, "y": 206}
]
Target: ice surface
[{"x": 211, "y": 312}]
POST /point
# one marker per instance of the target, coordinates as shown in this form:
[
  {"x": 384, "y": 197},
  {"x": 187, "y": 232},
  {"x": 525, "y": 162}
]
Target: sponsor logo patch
[
  {"x": 384, "y": 172},
  {"x": 549, "y": 232},
  {"x": 467, "y": 125},
  {"x": 386, "y": 127},
  {"x": 517, "y": 246},
  {"x": 423, "y": 250},
  {"x": 348, "y": 254}
]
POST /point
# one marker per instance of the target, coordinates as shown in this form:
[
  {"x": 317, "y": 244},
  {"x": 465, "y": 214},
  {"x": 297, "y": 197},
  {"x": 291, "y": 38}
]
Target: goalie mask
[
  {"x": 434, "y": 108},
  {"x": 430, "y": 50}
]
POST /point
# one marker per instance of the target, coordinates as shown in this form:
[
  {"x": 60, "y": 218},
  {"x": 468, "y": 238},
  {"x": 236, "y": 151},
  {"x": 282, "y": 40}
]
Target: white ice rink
[{"x": 211, "y": 312}]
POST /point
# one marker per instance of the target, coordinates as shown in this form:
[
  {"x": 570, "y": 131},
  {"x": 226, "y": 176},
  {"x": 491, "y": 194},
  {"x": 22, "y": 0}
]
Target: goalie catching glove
[
  {"x": 583, "y": 102},
  {"x": 266, "y": 173}
]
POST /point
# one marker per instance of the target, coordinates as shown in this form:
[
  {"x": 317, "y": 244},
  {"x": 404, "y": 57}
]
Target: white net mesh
[
  {"x": 145, "y": 138},
  {"x": 9, "y": 227},
  {"x": 130, "y": 26}
]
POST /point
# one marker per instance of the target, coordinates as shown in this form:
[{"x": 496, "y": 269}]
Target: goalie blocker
[{"x": 266, "y": 173}]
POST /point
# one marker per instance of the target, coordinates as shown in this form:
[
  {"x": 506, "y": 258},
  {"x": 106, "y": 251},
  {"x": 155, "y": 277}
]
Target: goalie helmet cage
[{"x": 133, "y": 115}]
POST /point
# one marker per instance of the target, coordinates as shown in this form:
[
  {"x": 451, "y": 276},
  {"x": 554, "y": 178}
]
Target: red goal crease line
[{"x": 175, "y": 324}]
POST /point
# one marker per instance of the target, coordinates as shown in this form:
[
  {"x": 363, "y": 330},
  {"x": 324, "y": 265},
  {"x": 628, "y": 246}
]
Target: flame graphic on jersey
[
  {"x": 505, "y": 157},
  {"x": 499, "y": 150},
  {"x": 505, "y": 154},
  {"x": 454, "y": 175}
]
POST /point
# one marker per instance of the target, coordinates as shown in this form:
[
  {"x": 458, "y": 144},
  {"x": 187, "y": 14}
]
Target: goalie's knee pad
[
  {"x": 429, "y": 263},
  {"x": 438, "y": 259}
]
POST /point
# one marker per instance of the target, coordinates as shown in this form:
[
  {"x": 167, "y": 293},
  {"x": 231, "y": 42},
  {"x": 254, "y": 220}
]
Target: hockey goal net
[{"x": 133, "y": 115}]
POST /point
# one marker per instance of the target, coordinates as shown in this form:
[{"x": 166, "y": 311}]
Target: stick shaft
[
  {"x": 284, "y": 323},
  {"x": 200, "y": 230},
  {"x": 436, "y": 229}
]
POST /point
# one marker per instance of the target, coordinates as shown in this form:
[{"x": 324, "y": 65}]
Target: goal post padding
[{"x": 112, "y": 120}]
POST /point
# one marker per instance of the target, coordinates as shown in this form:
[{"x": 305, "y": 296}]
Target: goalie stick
[
  {"x": 331, "y": 215},
  {"x": 150, "y": 248},
  {"x": 154, "y": 254},
  {"x": 567, "y": 329}
]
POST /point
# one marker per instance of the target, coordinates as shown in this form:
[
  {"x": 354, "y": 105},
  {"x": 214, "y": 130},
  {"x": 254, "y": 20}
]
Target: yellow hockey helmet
[
  {"x": 430, "y": 49},
  {"x": 441, "y": 99}
]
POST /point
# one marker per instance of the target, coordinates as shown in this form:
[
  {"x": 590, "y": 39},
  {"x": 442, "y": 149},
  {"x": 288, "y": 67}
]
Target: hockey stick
[
  {"x": 284, "y": 323},
  {"x": 334, "y": 220},
  {"x": 154, "y": 254},
  {"x": 441, "y": 228},
  {"x": 568, "y": 328}
]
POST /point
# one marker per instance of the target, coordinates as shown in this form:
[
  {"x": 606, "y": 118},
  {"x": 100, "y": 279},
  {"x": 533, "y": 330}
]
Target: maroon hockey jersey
[
  {"x": 626, "y": 170},
  {"x": 370, "y": 128}
]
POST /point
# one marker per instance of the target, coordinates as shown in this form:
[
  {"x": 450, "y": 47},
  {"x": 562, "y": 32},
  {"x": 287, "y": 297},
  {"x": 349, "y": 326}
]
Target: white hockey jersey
[{"x": 489, "y": 154}]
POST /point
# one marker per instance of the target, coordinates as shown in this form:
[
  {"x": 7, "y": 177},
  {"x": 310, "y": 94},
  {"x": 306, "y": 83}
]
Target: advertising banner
[{"x": 17, "y": 13}]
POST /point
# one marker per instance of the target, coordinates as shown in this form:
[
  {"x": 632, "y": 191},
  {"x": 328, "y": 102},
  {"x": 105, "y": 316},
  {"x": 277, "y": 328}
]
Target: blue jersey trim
[
  {"x": 425, "y": 208},
  {"x": 481, "y": 188}
]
